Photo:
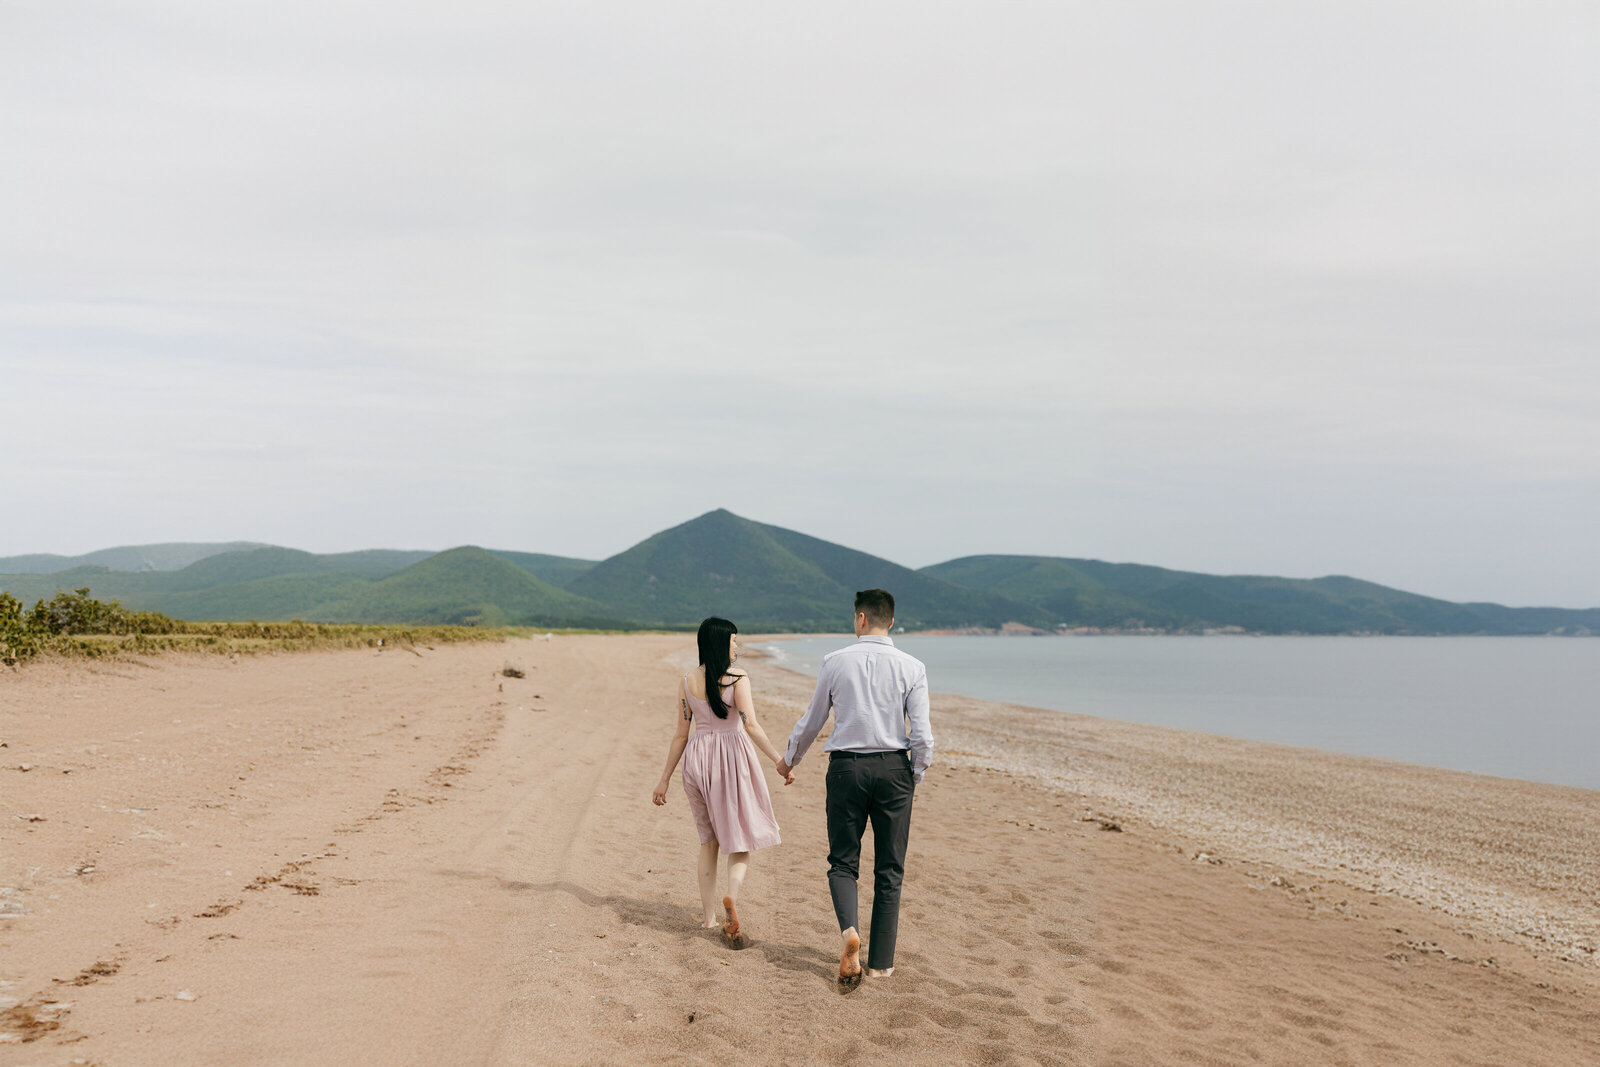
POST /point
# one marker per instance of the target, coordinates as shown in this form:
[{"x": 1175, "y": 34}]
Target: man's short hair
[{"x": 877, "y": 605}]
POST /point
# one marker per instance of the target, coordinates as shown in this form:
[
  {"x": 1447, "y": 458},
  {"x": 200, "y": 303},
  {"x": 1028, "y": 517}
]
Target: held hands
[{"x": 785, "y": 772}]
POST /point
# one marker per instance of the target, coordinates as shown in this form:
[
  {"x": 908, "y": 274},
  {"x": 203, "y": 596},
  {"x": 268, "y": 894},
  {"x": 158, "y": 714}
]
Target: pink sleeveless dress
[{"x": 723, "y": 780}]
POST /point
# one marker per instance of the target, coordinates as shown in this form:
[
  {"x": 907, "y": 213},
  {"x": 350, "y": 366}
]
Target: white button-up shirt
[{"x": 879, "y": 698}]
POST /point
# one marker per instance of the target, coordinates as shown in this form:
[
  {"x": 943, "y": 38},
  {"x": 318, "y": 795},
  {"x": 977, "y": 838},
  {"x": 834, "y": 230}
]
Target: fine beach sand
[{"x": 383, "y": 857}]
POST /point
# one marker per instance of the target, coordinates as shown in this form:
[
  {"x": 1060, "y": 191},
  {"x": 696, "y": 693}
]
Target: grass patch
[
  {"x": 76, "y": 625},
  {"x": 239, "y": 637}
]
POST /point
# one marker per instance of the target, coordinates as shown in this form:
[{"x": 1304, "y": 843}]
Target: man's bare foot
[
  {"x": 850, "y": 961},
  {"x": 730, "y": 929},
  {"x": 879, "y": 972}
]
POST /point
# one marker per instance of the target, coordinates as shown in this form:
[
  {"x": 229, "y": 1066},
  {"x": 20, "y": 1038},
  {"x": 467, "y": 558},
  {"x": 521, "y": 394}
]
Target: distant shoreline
[{"x": 1094, "y": 631}]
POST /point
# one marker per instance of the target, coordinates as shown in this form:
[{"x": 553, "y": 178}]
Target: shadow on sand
[{"x": 677, "y": 920}]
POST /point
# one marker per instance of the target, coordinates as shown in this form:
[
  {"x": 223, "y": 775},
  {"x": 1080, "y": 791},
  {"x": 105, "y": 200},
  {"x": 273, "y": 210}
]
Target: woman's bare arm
[
  {"x": 675, "y": 752},
  {"x": 744, "y": 702}
]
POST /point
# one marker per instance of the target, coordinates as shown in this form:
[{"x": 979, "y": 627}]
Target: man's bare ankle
[{"x": 879, "y": 972}]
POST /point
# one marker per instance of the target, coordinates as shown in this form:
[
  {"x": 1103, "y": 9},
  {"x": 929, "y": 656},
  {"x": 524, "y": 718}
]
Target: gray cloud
[{"x": 1246, "y": 287}]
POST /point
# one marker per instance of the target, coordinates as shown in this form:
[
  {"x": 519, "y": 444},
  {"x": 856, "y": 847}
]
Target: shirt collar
[{"x": 877, "y": 639}]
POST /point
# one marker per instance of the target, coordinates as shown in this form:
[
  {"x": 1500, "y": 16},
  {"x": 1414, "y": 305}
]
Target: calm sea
[{"x": 1517, "y": 707}]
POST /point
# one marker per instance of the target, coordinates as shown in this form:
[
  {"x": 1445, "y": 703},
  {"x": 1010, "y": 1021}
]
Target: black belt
[{"x": 842, "y": 754}]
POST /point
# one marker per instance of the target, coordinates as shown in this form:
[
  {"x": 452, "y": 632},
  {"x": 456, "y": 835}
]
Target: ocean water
[{"x": 1516, "y": 707}]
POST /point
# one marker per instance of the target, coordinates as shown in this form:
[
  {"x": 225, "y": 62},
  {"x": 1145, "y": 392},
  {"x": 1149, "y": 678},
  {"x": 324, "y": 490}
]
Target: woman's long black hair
[{"x": 716, "y": 639}]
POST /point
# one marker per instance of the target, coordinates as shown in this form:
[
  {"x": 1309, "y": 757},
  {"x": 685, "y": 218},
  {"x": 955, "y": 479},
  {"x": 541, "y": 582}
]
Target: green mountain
[
  {"x": 276, "y": 598},
  {"x": 374, "y": 563},
  {"x": 272, "y": 583},
  {"x": 1500, "y": 619},
  {"x": 1084, "y": 592},
  {"x": 717, "y": 564},
  {"x": 273, "y": 562},
  {"x": 135, "y": 590},
  {"x": 162, "y": 557},
  {"x": 922, "y": 601},
  {"x": 763, "y": 577},
  {"x": 234, "y": 567},
  {"x": 769, "y": 578},
  {"x": 258, "y": 584},
  {"x": 1053, "y": 585},
  {"x": 467, "y": 585},
  {"x": 557, "y": 570}
]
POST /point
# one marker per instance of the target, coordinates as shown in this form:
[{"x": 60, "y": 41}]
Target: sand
[{"x": 380, "y": 857}]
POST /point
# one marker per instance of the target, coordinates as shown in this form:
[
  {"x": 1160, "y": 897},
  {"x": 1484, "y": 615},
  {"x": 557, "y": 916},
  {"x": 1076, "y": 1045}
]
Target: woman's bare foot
[
  {"x": 730, "y": 929},
  {"x": 710, "y": 924},
  {"x": 850, "y": 961}
]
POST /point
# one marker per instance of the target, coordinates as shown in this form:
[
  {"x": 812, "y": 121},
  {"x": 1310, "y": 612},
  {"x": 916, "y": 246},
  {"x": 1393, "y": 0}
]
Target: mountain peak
[{"x": 717, "y": 516}]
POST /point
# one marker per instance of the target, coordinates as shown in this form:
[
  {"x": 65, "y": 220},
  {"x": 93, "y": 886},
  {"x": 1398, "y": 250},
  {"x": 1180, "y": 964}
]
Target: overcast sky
[{"x": 1289, "y": 288}]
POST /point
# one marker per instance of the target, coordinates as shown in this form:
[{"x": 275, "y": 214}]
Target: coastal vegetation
[
  {"x": 74, "y": 623},
  {"x": 765, "y": 577}
]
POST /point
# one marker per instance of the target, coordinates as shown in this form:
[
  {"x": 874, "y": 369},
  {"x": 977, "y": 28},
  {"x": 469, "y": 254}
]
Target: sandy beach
[{"x": 392, "y": 856}]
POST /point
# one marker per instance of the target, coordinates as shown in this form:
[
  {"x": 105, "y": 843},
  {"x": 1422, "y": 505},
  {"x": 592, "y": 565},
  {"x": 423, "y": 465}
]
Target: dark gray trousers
[{"x": 871, "y": 787}]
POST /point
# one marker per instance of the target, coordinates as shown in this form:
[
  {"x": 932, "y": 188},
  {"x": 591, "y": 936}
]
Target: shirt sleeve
[
  {"x": 810, "y": 724},
  {"x": 920, "y": 730}
]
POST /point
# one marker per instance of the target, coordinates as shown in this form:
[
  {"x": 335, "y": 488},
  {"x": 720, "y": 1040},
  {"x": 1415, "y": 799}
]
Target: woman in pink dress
[{"x": 721, "y": 774}]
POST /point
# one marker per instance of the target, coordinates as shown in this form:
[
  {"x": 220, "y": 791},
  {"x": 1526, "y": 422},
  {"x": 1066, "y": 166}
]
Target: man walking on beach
[{"x": 880, "y": 746}]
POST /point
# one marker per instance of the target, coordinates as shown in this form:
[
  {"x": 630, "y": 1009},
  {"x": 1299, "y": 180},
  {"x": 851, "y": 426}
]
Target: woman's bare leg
[
  {"x": 708, "y": 883},
  {"x": 738, "y": 867}
]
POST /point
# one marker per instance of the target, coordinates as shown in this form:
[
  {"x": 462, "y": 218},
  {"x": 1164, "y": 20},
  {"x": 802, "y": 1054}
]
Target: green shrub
[
  {"x": 77, "y": 613},
  {"x": 76, "y": 624},
  {"x": 18, "y": 641}
]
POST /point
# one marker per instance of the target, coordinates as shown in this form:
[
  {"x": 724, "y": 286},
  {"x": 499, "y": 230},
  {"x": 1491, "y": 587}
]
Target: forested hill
[
  {"x": 163, "y": 557},
  {"x": 763, "y": 577},
  {"x": 463, "y": 585},
  {"x": 1092, "y": 593},
  {"x": 769, "y": 578}
]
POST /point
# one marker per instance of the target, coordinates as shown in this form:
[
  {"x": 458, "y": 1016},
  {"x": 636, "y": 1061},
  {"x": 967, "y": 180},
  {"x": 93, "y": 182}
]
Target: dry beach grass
[{"x": 377, "y": 857}]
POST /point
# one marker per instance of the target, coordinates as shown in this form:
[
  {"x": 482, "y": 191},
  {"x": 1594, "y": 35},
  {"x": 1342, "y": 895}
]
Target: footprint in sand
[{"x": 948, "y": 1018}]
